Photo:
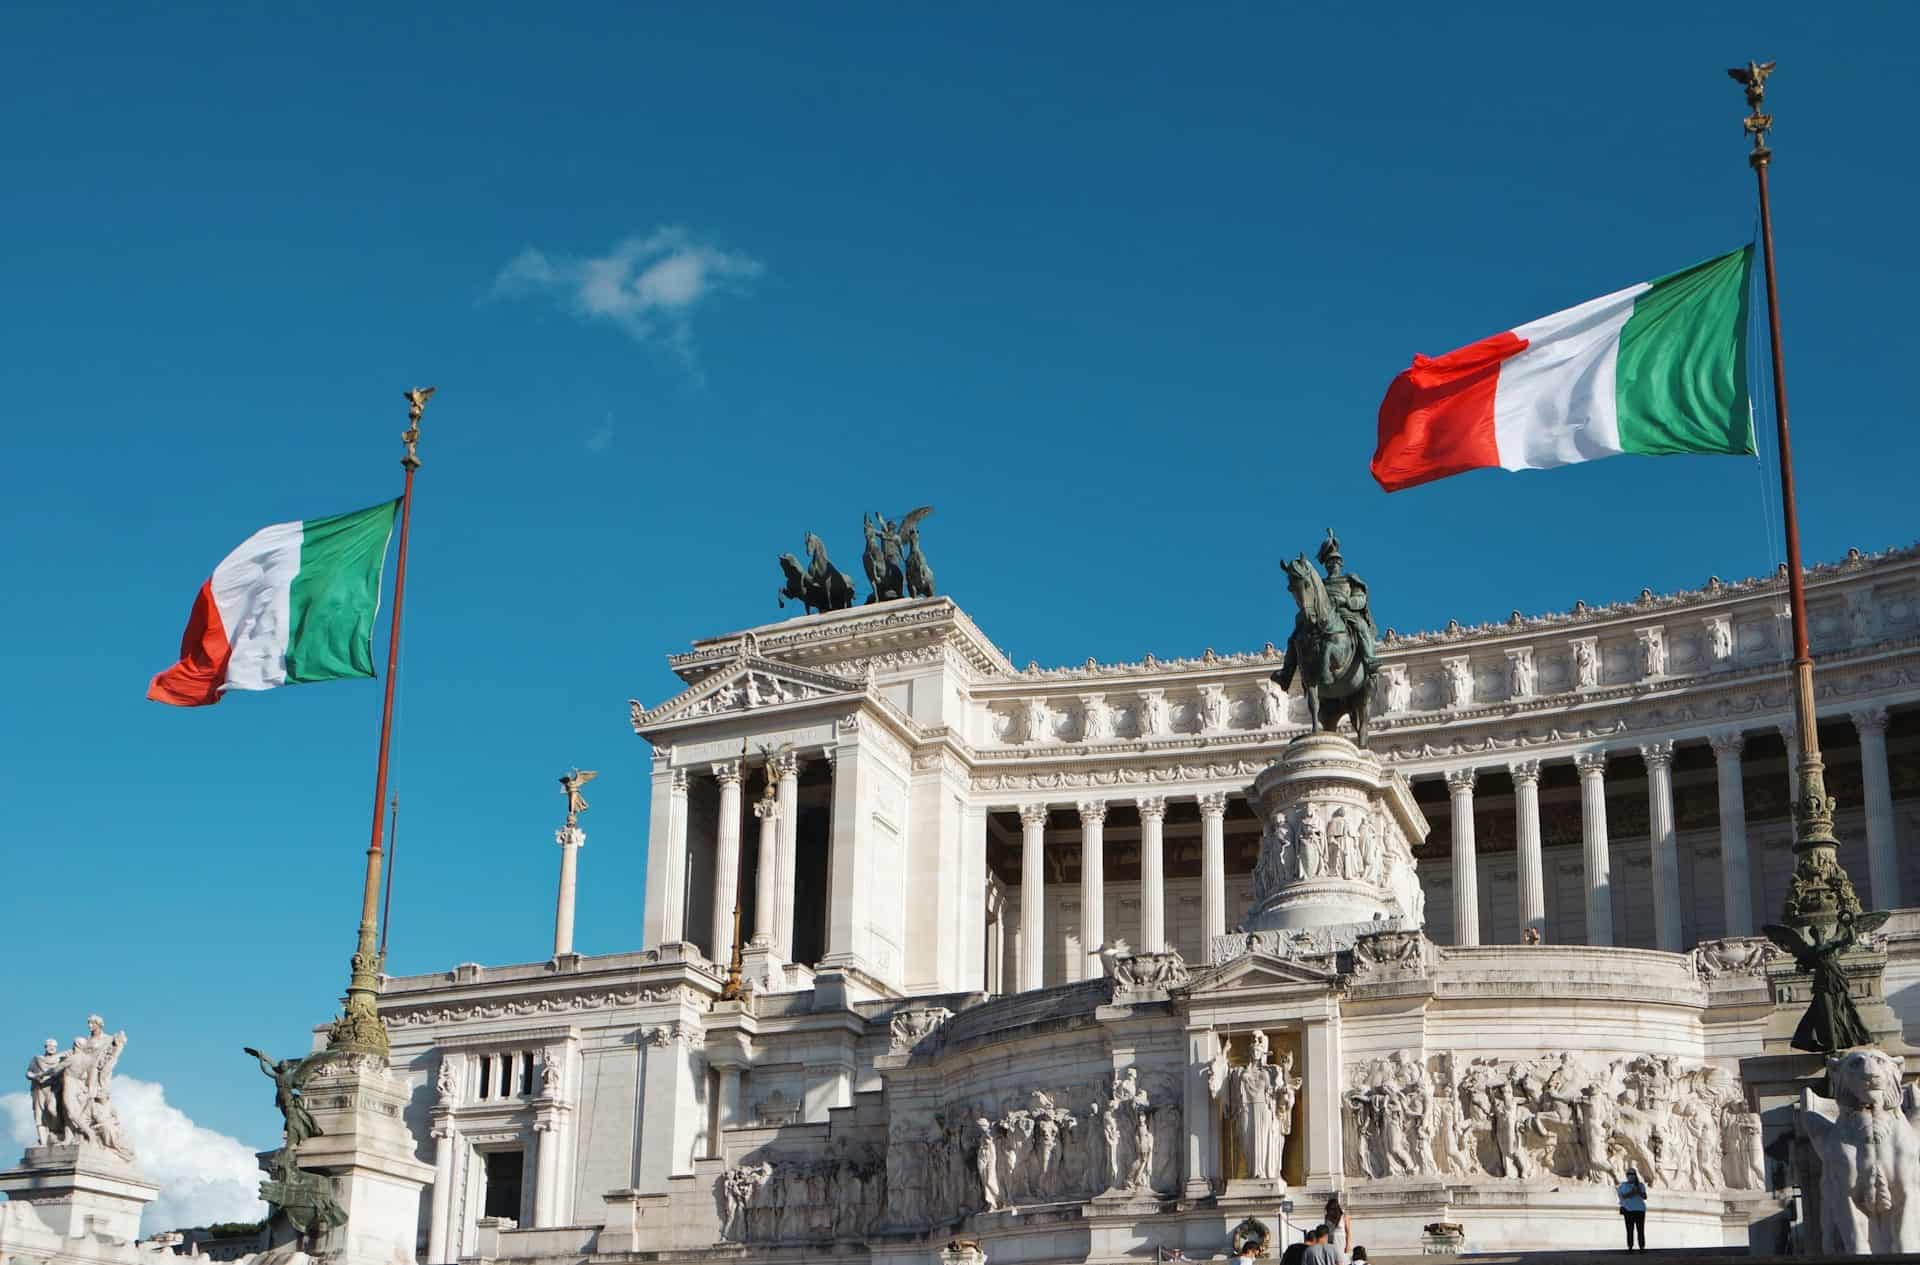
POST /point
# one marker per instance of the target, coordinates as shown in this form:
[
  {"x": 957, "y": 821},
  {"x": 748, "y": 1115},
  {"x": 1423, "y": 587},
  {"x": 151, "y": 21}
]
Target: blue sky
[{"x": 1116, "y": 289}]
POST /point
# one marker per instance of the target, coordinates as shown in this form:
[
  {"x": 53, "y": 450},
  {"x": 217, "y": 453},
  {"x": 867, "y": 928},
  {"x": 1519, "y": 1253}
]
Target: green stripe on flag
[
  {"x": 1681, "y": 381},
  {"x": 336, "y": 594}
]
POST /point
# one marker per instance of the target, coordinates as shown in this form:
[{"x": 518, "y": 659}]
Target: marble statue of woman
[
  {"x": 1256, "y": 1094},
  {"x": 1310, "y": 844},
  {"x": 986, "y": 1165}
]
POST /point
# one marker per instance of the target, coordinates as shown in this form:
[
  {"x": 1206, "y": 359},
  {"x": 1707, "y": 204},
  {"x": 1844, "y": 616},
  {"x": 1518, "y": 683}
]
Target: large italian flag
[
  {"x": 1659, "y": 367},
  {"x": 293, "y": 604}
]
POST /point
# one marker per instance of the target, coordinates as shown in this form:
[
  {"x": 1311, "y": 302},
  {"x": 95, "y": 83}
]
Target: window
[{"x": 504, "y": 1172}]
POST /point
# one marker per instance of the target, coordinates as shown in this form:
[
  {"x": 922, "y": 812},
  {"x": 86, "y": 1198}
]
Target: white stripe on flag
[
  {"x": 1555, "y": 404},
  {"x": 253, "y": 589}
]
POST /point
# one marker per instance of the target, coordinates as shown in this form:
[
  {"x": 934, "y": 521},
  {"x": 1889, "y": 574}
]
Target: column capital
[
  {"x": 570, "y": 837},
  {"x": 727, "y": 772},
  {"x": 1033, "y": 814},
  {"x": 1461, "y": 780},
  {"x": 1213, "y": 804},
  {"x": 1152, "y": 807},
  {"x": 1870, "y": 720},
  {"x": 1727, "y": 744},
  {"x": 1092, "y": 811},
  {"x": 783, "y": 764},
  {"x": 1658, "y": 755},
  {"x": 767, "y": 809},
  {"x": 1524, "y": 772},
  {"x": 678, "y": 784},
  {"x": 1591, "y": 764}
]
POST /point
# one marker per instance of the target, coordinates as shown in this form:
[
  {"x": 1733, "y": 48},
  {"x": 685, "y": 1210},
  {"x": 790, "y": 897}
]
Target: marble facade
[{"x": 1001, "y": 921}]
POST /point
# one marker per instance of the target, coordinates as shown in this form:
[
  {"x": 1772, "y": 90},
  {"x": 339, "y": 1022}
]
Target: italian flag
[
  {"x": 1659, "y": 367},
  {"x": 293, "y": 604}
]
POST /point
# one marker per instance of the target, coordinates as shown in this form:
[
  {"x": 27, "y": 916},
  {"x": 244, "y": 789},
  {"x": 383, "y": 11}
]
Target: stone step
[{"x": 1611, "y": 1256}]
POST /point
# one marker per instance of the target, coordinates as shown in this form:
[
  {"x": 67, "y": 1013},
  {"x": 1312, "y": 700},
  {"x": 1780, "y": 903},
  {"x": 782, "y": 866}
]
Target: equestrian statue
[
  {"x": 1331, "y": 648},
  {"x": 822, "y": 586}
]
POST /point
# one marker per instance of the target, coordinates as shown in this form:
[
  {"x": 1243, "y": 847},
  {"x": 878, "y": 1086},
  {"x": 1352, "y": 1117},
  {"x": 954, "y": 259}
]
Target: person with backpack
[{"x": 1633, "y": 1207}]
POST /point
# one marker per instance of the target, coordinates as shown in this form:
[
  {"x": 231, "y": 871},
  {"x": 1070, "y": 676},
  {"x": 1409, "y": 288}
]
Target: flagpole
[
  {"x": 1821, "y": 893},
  {"x": 359, "y": 1029}
]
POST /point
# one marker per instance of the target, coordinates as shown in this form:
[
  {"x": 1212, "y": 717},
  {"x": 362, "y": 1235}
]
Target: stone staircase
[{"x": 1613, "y": 1255}]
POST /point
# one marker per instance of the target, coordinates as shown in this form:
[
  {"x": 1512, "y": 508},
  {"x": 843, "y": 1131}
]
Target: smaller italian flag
[
  {"x": 1659, "y": 367},
  {"x": 293, "y": 604}
]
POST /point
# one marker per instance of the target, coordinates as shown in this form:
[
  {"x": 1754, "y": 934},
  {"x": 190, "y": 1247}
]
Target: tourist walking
[
  {"x": 1633, "y": 1207},
  {"x": 1320, "y": 1248},
  {"x": 1337, "y": 1221}
]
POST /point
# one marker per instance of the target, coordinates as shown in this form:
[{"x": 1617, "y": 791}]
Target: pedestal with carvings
[
  {"x": 80, "y": 1190},
  {"x": 366, "y": 1149}
]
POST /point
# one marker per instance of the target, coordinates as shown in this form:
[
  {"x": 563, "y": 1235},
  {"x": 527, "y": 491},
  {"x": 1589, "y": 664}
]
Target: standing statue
[
  {"x": 1832, "y": 1021},
  {"x": 289, "y": 1079},
  {"x": 71, "y": 1097},
  {"x": 919, "y": 571},
  {"x": 570, "y": 784},
  {"x": 882, "y": 560},
  {"x": 1255, "y": 1093},
  {"x": 1331, "y": 648}
]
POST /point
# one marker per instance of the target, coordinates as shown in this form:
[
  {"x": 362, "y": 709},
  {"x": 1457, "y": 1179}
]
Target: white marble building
[{"x": 926, "y": 841}]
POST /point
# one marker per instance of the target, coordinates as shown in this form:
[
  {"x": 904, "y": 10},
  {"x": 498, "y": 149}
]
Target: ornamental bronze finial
[
  {"x": 1753, "y": 76},
  {"x": 416, "y": 405},
  {"x": 570, "y": 784}
]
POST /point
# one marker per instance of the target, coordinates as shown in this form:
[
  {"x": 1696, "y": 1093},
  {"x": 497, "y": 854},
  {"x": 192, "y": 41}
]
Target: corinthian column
[
  {"x": 726, "y": 862},
  {"x": 1093, "y": 883},
  {"x": 1466, "y": 870},
  {"x": 766, "y": 879},
  {"x": 1526, "y": 813},
  {"x": 1033, "y": 912},
  {"x": 1666, "y": 855},
  {"x": 1592, "y": 766},
  {"x": 1883, "y": 861},
  {"x": 1736, "y": 880},
  {"x": 1153, "y": 878},
  {"x": 1213, "y": 870},
  {"x": 787, "y": 769}
]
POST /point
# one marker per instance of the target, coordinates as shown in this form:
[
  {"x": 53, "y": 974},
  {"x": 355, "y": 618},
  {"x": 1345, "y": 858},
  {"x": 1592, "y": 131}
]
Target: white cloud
[
  {"x": 649, "y": 286},
  {"x": 203, "y": 1176}
]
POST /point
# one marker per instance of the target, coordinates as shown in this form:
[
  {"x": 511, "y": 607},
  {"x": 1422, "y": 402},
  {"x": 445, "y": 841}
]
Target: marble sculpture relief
[{"x": 71, "y": 1097}]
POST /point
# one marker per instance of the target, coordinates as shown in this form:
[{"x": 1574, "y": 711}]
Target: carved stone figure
[
  {"x": 1331, "y": 647},
  {"x": 1039, "y": 721},
  {"x": 1832, "y": 1022},
  {"x": 1273, "y": 705},
  {"x": 1153, "y": 713},
  {"x": 1309, "y": 844},
  {"x": 986, "y": 1165},
  {"x": 289, "y": 1079},
  {"x": 1212, "y": 709},
  {"x": 1520, "y": 676},
  {"x": 550, "y": 1073},
  {"x": 1459, "y": 682},
  {"x": 1868, "y": 1151},
  {"x": 1745, "y": 1160},
  {"x": 1096, "y": 718},
  {"x": 446, "y": 1084},
  {"x": 1343, "y": 846},
  {"x": 1653, "y": 652},
  {"x": 1139, "y": 1176},
  {"x": 1586, "y": 664},
  {"x": 1399, "y": 689},
  {"x": 1720, "y": 639},
  {"x": 1257, "y": 1093},
  {"x": 1150, "y": 970},
  {"x": 71, "y": 1096},
  {"x": 43, "y": 1075}
]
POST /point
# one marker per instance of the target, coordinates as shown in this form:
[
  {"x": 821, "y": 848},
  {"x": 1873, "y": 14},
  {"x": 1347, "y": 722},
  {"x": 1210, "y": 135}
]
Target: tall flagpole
[
  {"x": 359, "y": 1029},
  {"x": 1821, "y": 893}
]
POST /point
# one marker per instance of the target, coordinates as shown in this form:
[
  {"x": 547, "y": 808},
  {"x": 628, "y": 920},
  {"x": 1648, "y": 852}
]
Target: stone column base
[
  {"x": 366, "y": 1149},
  {"x": 78, "y": 1190}
]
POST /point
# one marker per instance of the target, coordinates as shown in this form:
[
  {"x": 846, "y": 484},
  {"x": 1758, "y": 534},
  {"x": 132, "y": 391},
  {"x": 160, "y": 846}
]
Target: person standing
[
  {"x": 1320, "y": 1248},
  {"x": 1633, "y": 1207},
  {"x": 1338, "y": 1223}
]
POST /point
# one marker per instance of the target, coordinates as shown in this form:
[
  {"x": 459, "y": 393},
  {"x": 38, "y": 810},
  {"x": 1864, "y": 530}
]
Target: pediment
[
  {"x": 1258, "y": 970},
  {"x": 749, "y": 683}
]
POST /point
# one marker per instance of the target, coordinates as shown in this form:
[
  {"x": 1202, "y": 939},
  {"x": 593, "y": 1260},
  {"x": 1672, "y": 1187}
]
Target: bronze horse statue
[
  {"x": 1332, "y": 674},
  {"x": 822, "y": 586}
]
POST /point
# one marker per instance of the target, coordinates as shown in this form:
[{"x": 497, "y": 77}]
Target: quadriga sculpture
[{"x": 1869, "y": 1154}]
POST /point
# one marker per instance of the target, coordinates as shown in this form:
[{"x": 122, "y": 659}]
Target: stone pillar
[
  {"x": 1153, "y": 875},
  {"x": 1883, "y": 860},
  {"x": 786, "y": 769},
  {"x": 664, "y": 917},
  {"x": 1093, "y": 884},
  {"x": 1466, "y": 869},
  {"x": 1200, "y": 1117},
  {"x": 546, "y": 1162},
  {"x": 1594, "y": 858},
  {"x": 1736, "y": 879},
  {"x": 571, "y": 839},
  {"x": 766, "y": 879},
  {"x": 670, "y": 1091},
  {"x": 1033, "y": 895},
  {"x": 445, "y": 1146},
  {"x": 726, "y": 861},
  {"x": 729, "y": 1104},
  {"x": 1321, "y": 1069},
  {"x": 1666, "y": 855},
  {"x": 1526, "y": 814},
  {"x": 368, "y": 1152},
  {"x": 1213, "y": 869}
]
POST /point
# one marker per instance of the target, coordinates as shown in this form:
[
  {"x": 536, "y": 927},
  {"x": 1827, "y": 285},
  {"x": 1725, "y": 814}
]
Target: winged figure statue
[
  {"x": 571, "y": 784},
  {"x": 1832, "y": 1021},
  {"x": 290, "y": 1077}
]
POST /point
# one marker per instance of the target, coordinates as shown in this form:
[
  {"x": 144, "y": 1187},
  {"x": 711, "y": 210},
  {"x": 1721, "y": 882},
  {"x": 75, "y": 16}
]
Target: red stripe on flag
[
  {"x": 204, "y": 651},
  {"x": 1437, "y": 418}
]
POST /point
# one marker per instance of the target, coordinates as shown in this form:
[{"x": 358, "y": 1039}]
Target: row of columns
[
  {"x": 1153, "y": 890},
  {"x": 774, "y": 876},
  {"x": 1735, "y": 868}
]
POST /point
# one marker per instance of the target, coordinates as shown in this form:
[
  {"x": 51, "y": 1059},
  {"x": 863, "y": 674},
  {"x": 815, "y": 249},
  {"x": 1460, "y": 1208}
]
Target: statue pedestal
[
  {"x": 78, "y": 1189},
  {"x": 368, "y": 1152},
  {"x": 1339, "y": 840}
]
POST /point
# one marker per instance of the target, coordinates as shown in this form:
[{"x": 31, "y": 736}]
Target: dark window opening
[
  {"x": 504, "y": 1170},
  {"x": 486, "y": 1076}
]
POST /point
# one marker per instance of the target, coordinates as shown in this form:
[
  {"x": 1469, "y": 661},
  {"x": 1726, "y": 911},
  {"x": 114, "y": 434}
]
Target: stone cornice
[{"x": 907, "y": 631}]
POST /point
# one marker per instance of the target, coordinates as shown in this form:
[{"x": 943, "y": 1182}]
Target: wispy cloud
[
  {"x": 602, "y": 437},
  {"x": 203, "y": 1176},
  {"x": 649, "y": 286}
]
